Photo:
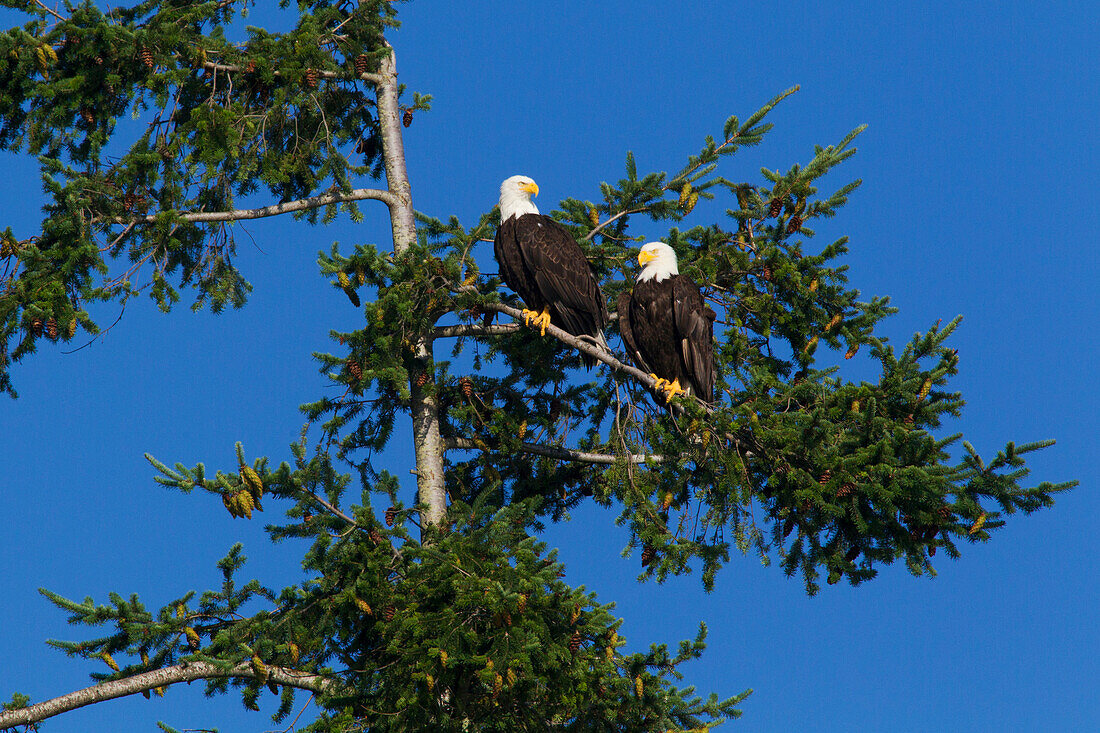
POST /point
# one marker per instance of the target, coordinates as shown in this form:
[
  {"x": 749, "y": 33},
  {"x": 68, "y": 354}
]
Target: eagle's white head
[
  {"x": 515, "y": 197},
  {"x": 658, "y": 262}
]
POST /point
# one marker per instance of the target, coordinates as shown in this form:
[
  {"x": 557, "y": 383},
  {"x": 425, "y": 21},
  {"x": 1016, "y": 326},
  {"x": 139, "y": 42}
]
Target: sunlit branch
[
  {"x": 145, "y": 681},
  {"x": 564, "y": 454},
  {"x": 475, "y": 329},
  {"x": 286, "y": 207},
  {"x": 586, "y": 347}
]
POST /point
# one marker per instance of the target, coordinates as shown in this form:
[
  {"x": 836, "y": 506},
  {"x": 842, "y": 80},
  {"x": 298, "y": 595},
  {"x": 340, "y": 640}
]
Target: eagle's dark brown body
[
  {"x": 542, "y": 262},
  {"x": 669, "y": 330}
]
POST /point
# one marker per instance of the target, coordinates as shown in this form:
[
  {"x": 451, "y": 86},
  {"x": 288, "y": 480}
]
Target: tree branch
[
  {"x": 366, "y": 76},
  {"x": 286, "y": 207},
  {"x": 565, "y": 454},
  {"x": 588, "y": 348},
  {"x": 186, "y": 672},
  {"x": 588, "y": 237},
  {"x": 474, "y": 329}
]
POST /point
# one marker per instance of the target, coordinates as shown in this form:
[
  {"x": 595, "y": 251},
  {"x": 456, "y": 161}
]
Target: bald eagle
[
  {"x": 542, "y": 262},
  {"x": 667, "y": 328}
]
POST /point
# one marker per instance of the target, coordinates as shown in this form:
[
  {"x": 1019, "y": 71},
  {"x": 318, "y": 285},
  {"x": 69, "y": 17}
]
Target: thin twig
[
  {"x": 592, "y": 233},
  {"x": 42, "y": 5}
]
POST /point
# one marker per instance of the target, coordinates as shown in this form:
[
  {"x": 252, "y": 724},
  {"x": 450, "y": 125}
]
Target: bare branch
[
  {"x": 564, "y": 454},
  {"x": 186, "y": 672},
  {"x": 474, "y": 329},
  {"x": 42, "y": 5},
  {"x": 286, "y": 207}
]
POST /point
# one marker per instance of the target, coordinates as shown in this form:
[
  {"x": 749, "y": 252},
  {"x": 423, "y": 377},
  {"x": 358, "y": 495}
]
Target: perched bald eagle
[
  {"x": 667, "y": 328},
  {"x": 541, "y": 261}
]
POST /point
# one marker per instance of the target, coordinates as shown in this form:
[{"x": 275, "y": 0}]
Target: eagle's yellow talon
[
  {"x": 672, "y": 389},
  {"x": 544, "y": 320},
  {"x": 534, "y": 318}
]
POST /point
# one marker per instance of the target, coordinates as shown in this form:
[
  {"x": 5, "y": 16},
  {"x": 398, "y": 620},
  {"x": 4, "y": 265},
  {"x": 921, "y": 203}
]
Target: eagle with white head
[
  {"x": 542, "y": 262},
  {"x": 666, "y": 326}
]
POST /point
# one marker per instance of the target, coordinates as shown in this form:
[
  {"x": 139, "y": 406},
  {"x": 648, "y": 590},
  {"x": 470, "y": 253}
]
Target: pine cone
[
  {"x": 71, "y": 330},
  {"x": 851, "y": 352},
  {"x": 788, "y": 526},
  {"x": 376, "y": 537},
  {"x": 354, "y": 369},
  {"x": 776, "y": 207},
  {"x": 794, "y": 224},
  {"x": 924, "y": 389},
  {"x": 362, "y": 64},
  {"x": 311, "y": 78},
  {"x": 825, "y": 476},
  {"x": 37, "y": 326},
  {"x": 422, "y": 379},
  {"x": 147, "y": 58},
  {"x": 51, "y": 329},
  {"x": 845, "y": 490},
  {"x": 391, "y": 515},
  {"x": 852, "y": 554},
  {"x": 978, "y": 524},
  {"x": 389, "y": 612},
  {"x": 250, "y": 67},
  {"x": 575, "y": 642},
  {"x": 594, "y": 217},
  {"x": 766, "y": 273},
  {"x": 648, "y": 555},
  {"x": 467, "y": 386},
  {"x": 87, "y": 115},
  {"x": 690, "y": 204},
  {"x": 407, "y": 118}
]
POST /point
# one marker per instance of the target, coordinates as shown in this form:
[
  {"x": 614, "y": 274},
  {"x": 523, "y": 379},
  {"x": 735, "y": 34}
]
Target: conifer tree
[{"x": 446, "y": 606}]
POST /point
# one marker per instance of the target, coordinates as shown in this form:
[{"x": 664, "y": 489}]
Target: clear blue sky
[{"x": 980, "y": 177}]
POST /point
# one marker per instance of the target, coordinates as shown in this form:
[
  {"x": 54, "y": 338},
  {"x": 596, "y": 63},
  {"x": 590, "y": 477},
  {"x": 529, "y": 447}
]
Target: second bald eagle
[
  {"x": 541, "y": 261},
  {"x": 666, "y": 326}
]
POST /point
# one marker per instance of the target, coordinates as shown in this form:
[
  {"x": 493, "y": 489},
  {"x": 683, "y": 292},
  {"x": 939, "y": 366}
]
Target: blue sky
[{"x": 980, "y": 171}]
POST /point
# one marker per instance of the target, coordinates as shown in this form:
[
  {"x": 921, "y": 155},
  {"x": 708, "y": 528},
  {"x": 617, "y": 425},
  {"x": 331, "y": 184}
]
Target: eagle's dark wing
[
  {"x": 626, "y": 330},
  {"x": 512, "y": 271},
  {"x": 562, "y": 275},
  {"x": 694, "y": 323}
]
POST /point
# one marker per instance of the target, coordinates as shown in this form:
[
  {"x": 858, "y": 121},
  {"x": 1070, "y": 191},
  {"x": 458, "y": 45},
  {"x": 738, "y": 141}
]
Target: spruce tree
[{"x": 445, "y": 607}]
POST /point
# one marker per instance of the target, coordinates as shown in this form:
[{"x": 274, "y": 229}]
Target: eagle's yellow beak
[
  {"x": 531, "y": 188},
  {"x": 645, "y": 258}
]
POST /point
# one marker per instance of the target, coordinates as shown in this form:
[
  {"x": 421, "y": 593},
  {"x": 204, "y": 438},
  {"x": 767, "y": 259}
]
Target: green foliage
[
  {"x": 215, "y": 120},
  {"x": 472, "y": 630}
]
